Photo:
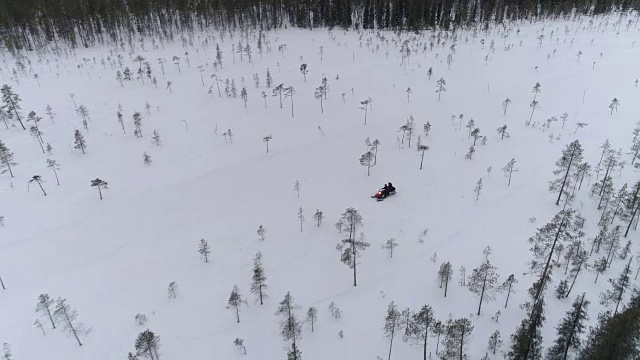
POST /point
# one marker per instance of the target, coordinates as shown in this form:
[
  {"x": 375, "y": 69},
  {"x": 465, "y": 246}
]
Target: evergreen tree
[
  {"x": 11, "y": 103},
  {"x": 53, "y": 165},
  {"x": 392, "y": 324},
  {"x": 235, "y": 301},
  {"x": 484, "y": 283},
  {"x": 615, "y": 337},
  {"x": 290, "y": 326},
  {"x": 578, "y": 262},
  {"x": 509, "y": 169},
  {"x": 44, "y": 305},
  {"x": 147, "y": 344},
  {"x": 567, "y": 164},
  {"x": 258, "y": 278},
  {"x": 79, "y": 142},
  {"x": 100, "y": 184},
  {"x": 420, "y": 325},
  {"x": 367, "y": 160},
  {"x": 457, "y": 336},
  {"x": 444, "y": 275},
  {"x": 204, "y": 249},
  {"x": 526, "y": 342},
  {"x": 350, "y": 221},
  {"x": 440, "y": 87},
  {"x": 318, "y": 216},
  {"x": 390, "y": 245},
  {"x": 619, "y": 287},
  {"x": 66, "y": 316},
  {"x": 507, "y": 286},
  {"x": 156, "y": 137},
  {"x": 495, "y": 342},
  {"x": 6, "y": 159},
  {"x": 312, "y": 316},
  {"x": 570, "y": 329}
]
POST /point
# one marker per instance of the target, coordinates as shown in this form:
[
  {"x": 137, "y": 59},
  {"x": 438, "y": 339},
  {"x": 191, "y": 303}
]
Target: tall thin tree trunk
[
  {"x": 56, "y": 174},
  {"x": 45, "y": 194},
  {"x": 484, "y": 284},
  {"x": 564, "y": 181},
  {"x": 393, "y": 330},
  {"x": 573, "y": 328},
  {"x": 508, "y": 294},
  {"x": 633, "y": 215},
  {"x": 100, "y": 192},
  {"x": 353, "y": 252},
  {"x": 71, "y": 326}
]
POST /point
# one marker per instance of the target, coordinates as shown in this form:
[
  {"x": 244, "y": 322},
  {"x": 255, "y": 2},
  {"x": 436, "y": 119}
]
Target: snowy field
[{"x": 114, "y": 258}]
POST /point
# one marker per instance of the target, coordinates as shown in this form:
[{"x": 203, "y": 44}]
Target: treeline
[{"x": 27, "y": 24}]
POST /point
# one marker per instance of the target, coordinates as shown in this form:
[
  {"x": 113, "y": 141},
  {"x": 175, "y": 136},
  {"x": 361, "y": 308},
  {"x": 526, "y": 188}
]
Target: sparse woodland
[{"x": 513, "y": 232}]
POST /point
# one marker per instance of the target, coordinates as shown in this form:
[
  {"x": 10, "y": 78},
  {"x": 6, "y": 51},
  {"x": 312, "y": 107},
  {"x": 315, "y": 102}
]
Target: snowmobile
[{"x": 380, "y": 195}]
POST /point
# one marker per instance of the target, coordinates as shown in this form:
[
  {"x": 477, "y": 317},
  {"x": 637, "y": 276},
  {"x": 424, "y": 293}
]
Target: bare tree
[{"x": 66, "y": 317}]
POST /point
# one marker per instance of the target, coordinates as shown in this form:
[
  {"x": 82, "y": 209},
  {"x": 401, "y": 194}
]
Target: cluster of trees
[{"x": 31, "y": 23}]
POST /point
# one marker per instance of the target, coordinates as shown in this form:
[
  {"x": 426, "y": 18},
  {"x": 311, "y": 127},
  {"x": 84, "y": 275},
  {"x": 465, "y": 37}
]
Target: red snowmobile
[{"x": 386, "y": 191}]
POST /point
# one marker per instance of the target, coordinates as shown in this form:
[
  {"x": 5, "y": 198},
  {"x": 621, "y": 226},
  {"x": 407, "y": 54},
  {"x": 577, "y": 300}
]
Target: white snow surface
[{"x": 114, "y": 258}]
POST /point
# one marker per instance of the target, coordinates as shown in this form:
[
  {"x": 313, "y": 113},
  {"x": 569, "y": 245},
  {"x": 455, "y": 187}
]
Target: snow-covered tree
[
  {"x": 444, "y": 275},
  {"x": 318, "y": 216},
  {"x": 54, "y": 166},
  {"x": 137, "y": 123},
  {"x": 121, "y": 120},
  {"x": 614, "y": 105},
  {"x": 146, "y": 158},
  {"x": 567, "y": 165},
  {"x": 6, "y": 159},
  {"x": 45, "y": 306},
  {"x": 457, "y": 335},
  {"x": 288, "y": 92},
  {"x": 505, "y": 105},
  {"x": 440, "y": 87},
  {"x": 364, "y": 106},
  {"x": 266, "y": 140},
  {"x": 301, "y": 217},
  {"x": 509, "y": 169},
  {"x": 312, "y": 316},
  {"x": 100, "y": 185},
  {"x": 392, "y": 324},
  {"x": 258, "y": 278},
  {"x": 261, "y": 232},
  {"x": 290, "y": 326},
  {"x": 11, "y": 103},
  {"x": 619, "y": 287},
  {"x": 304, "y": 71},
  {"x": 421, "y": 324},
  {"x": 79, "y": 142},
  {"x": 389, "y": 245},
  {"x": 484, "y": 283},
  {"x": 367, "y": 159},
  {"x": 235, "y": 301},
  {"x": 147, "y": 344},
  {"x": 422, "y": 149},
  {"x": 495, "y": 342},
  {"x": 172, "y": 290},
  {"x": 204, "y": 249},
  {"x": 478, "y": 188},
  {"x": 155, "y": 137},
  {"x": 38, "y": 180},
  {"x": 66, "y": 317}
]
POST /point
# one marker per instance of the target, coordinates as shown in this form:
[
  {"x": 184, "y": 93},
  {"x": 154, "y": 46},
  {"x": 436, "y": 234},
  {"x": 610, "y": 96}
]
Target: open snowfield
[{"x": 114, "y": 258}]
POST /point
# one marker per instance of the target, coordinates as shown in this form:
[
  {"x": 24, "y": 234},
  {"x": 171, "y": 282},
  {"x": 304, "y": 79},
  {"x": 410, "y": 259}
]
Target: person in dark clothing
[
  {"x": 385, "y": 191},
  {"x": 390, "y": 188}
]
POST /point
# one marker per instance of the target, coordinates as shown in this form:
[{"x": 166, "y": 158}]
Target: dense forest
[{"x": 27, "y": 24}]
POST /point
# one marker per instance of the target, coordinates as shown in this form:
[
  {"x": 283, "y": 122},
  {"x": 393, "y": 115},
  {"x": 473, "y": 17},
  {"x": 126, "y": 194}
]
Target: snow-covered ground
[{"x": 114, "y": 258}]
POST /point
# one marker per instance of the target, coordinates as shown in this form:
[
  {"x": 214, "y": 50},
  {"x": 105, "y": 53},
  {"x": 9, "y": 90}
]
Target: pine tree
[
  {"x": 312, "y": 316},
  {"x": 422, "y": 149},
  {"x": 261, "y": 232},
  {"x": 121, "y": 121},
  {"x": 172, "y": 290},
  {"x": 444, "y": 275},
  {"x": 100, "y": 184},
  {"x": 611, "y": 244},
  {"x": 290, "y": 326},
  {"x": 146, "y": 158},
  {"x": 478, "y": 188},
  {"x": 44, "y": 305},
  {"x": 392, "y": 324},
  {"x": 502, "y": 130},
  {"x": 6, "y": 159},
  {"x": 300, "y": 217},
  {"x": 509, "y": 169},
  {"x": 79, "y": 142},
  {"x": 156, "y": 137},
  {"x": 578, "y": 262},
  {"x": 507, "y": 286},
  {"x": 421, "y": 323},
  {"x": 390, "y": 245},
  {"x": 147, "y": 344},
  {"x": 204, "y": 249},
  {"x": 53, "y": 165},
  {"x": 66, "y": 316},
  {"x": 353, "y": 249},
  {"x": 567, "y": 165},
  {"x": 484, "y": 283},
  {"x": 137, "y": 123},
  {"x": 258, "y": 278},
  {"x": 38, "y": 180},
  {"x": 11, "y": 104},
  {"x": 440, "y": 87},
  {"x": 570, "y": 329},
  {"x": 469, "y": 154},
  {"x": 618, "y": 288},
  {"x": 235, "y": 301},
  {"x": 457, "y": 336},
  {"x": 318, "y": 216},
  {"x": 495, "y": 342},
  {"x": 526, "y": 342},
  {"x": 615, "y": 337}
]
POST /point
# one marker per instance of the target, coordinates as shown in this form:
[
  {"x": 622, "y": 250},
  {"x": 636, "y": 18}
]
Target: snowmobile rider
[
  {"x": 385, "y": 191},
  {"x": 390, "y": 188}
]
